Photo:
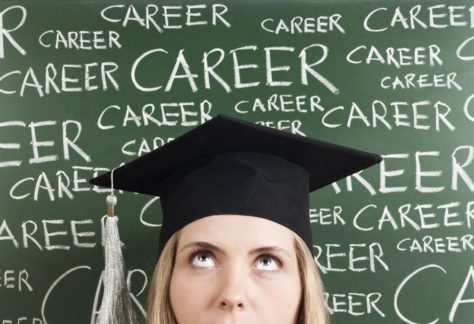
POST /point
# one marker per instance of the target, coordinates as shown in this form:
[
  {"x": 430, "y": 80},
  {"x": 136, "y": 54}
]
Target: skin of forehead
[{"x": 280, "y": 233}]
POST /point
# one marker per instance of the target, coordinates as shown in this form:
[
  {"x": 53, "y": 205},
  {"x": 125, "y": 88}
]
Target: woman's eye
[
  {"x": 202, "y": 259},
  {"x": 268, "y": 263}
]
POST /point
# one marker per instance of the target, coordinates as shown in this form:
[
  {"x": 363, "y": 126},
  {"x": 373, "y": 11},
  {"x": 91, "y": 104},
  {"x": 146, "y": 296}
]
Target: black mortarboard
[{"x": 232, "y": 166}]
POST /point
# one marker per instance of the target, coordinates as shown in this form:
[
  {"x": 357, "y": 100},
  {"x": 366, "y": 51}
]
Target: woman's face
[{"x": 235, "y": 269}]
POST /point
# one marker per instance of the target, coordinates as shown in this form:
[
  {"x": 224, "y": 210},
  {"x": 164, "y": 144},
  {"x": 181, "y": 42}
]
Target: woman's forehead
[{"x": 229, "y": 230}]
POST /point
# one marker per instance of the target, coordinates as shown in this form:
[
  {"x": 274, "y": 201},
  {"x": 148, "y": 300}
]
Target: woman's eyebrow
[{"x": 212, "y": 247}]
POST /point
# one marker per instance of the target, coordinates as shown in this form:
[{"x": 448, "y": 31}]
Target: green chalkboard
[{"x": 88, "y": 85}]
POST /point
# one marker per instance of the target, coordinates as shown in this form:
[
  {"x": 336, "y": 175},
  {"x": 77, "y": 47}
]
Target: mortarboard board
[{"x": 232, "y": 166}]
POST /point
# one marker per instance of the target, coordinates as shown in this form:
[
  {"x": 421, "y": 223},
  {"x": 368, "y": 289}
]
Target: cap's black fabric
[
  {"x": 231, "y": 166},
  {"x": 238, "y": 183}
]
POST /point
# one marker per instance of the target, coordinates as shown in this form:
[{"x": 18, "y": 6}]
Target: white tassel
[{"x": 116, "y": 307}]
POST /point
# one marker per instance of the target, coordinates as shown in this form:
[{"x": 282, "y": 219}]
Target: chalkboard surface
[{"x": 86, "y": 86}]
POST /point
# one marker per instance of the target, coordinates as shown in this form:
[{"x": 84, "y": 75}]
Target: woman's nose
[
  {"x": 232, "y": 304},
  {"x": 234, "y": 285}
]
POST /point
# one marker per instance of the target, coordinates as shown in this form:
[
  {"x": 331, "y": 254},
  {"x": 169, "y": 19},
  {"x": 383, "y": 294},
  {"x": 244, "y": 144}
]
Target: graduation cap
[
  {"x": 225, "y": 166},
  {"x": 231, "y": 166}
]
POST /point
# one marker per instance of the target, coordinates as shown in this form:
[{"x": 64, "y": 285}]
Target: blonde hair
[{"x": 312, "y": 309}]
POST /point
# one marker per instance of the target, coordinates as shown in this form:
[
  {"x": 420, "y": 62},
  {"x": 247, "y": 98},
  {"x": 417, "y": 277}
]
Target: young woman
[
  {"x": 213, "y": 275},
  {"x": 235, "y": 244}
]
